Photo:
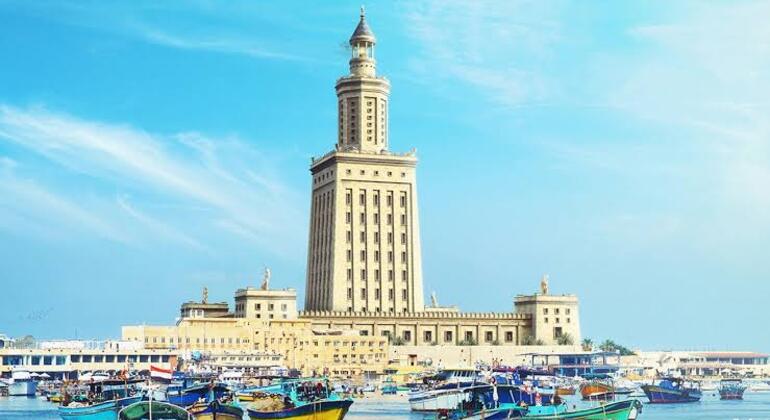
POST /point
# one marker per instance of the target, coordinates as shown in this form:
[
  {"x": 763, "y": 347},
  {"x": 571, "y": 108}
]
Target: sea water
[{"x": 755, "y": 406}]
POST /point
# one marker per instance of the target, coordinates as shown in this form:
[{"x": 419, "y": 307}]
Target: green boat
[
  {"x": 620, "y": 410},
  {"x": 159, "y": 410}
]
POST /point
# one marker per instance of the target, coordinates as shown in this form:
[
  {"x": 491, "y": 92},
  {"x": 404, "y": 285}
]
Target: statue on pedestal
[
  {"x": 544, "y": 284},
  {"x": 266, "y": 279},
  {"x": 205, "y": 295},
  {"x": 433, "y": 299}
]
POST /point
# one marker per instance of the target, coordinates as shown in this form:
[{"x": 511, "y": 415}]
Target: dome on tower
[{"x": 362, "y": 32}]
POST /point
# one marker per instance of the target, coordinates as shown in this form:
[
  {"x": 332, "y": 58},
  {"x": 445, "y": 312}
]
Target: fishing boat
[
  {"x": 216, "y": 410},
  {"x": 300, "y": 400},
  {"x": 315, "y": 410},
  {"x": 618, "y": 410},
  {"x": 153, "y": 410},
  {"x": 597, "y": 387},
  {"x": 187, "y": 396},
  {"x": 445, "y": 390},
  {"x": 106, "y": 410},
  {"x": 671, "y": 390},
  {"x": 22, "y": 384},
  {"x": 389, "y": 387},
  {"x": 731, "y": 389}
]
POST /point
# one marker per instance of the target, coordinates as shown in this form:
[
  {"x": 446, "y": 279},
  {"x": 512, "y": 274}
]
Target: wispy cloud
[
  {"x": 188, "y": 169},
  {"x": 498, "y": 48}
]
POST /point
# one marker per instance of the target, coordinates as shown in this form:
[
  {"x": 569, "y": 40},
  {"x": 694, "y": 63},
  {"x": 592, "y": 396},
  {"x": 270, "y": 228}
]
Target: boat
[
  {"x": 106, "y": 410},
  {"x": 155, "y": 410},
  {"x": 389, "y": 387},
  {"x": 671, "y": 390},
  {"x": 316, "y": 410},
  {"x": 444, "y": 390},
  {"x": 216, "y": 410},
  {"x": 300, "y": 400},
  {"x": 731, "y": 389},
  {"x": 618, "y": 410},
  {"x": 597, "y": 387},
  {"x": 22, "y": 384},
  {"x": 187, "y": 396}
]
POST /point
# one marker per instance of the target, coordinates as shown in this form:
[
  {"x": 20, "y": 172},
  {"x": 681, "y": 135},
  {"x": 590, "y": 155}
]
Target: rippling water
[{"x": 756, "y": 406}]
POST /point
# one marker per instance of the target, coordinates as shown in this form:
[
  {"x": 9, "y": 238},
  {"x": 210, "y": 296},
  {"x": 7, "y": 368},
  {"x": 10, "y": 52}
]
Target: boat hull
[
  {"x": 317, "y": 410},
  {"x": 160, "y": 411},
  {"x": 621, "y": 410},
  {"x": 104, "y": 411},
  {"x": 436, "y": 400},
  {"x": 22, "y": 389},
  {"x": 107, "y": 410},
  {"x": 596, "y": 390},
  {"x": 660, "y": 395},
  {"x": 216, "y": 411}
]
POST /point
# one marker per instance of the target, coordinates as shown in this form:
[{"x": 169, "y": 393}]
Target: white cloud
[
  {"x": 188, "y": 170},
  {"x": 499, "y": 48}
]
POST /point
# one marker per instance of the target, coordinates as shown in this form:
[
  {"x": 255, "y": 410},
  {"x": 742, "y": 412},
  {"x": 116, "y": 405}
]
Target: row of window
[
  {"x": 84, "y": 358},
  {"x": 558, "y": 320},
  {"x": 362, "y": 218},
  {"x": 362, "y": 237},
  {"x": 556, "y": 311},
  {"x": 375, "y": 197},
  {"x": 391, "y": 275},
  {"x": 489, "y": 336},
  {"x": 391, "y": 294},
  {"x": 375, "y": 173},
  {"x": 376, "y": 255}
]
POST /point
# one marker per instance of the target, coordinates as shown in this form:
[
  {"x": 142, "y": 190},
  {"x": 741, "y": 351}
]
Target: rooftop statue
[
  {"x": 544, "y": 284},
  {"x": 266, "y": 279},
  {"x": 205, "y": 295},
  {"x": 433, "y": 299}
]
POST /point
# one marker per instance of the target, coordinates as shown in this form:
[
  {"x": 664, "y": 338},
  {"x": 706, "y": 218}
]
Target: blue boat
[
  {"x": 670, "y": 391},
  {"x": 185, "y": 397},
  {"x": 107, "y": 410}
]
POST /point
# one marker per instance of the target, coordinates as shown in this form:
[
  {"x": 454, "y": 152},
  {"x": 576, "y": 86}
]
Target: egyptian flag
[{"x": 160, "y": 374}]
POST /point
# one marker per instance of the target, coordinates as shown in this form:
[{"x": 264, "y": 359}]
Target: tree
[
  {"x": 396, "y": 340},
  {"x": 565, "y": 340},
  {"x": 469, "y": 342},
  {"x": 613, "y": 347},
  {"x": 495, "y": 342},
  {"x": 531, "y": 341},
  {"x": 587, "y": 344}
]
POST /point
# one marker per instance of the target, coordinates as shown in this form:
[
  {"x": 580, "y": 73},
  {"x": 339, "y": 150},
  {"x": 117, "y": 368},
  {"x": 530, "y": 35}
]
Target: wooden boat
[
  {"x": 216, "y": 410},
  {"x": 315, "y": 410},
  {"x": 107, "y": 410},
  {"x": 187, "y": 396},
  {"x": 596, "y": 390},
  {"x": 565, "y": 390},
  {"x": 159, "y": 410},
  {"x": 731, "y": 389},
  {"x": 619, "y": 410},
  {"x": 671, "y": 390}
]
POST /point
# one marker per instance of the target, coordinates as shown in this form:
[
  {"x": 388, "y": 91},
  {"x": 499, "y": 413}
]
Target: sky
[{"x": 150, "y": 149}]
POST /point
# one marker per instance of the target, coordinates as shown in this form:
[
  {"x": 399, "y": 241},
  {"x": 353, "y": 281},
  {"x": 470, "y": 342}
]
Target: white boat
[
  {"x": 447, "y": 391},
  {"x": 22, "y": 384},
  {"x": 435, "y": 400}
]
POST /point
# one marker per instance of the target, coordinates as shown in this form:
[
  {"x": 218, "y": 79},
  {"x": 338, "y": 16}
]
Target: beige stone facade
[
  {"x": 430, "y": 328},
  {"x": 252, "y": 303},
  {"x": 364, "y": 244},
  {"x": 553, "y": 316}
]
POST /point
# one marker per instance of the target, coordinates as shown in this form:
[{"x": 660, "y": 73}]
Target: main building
[{"x": 364, "y": 302}]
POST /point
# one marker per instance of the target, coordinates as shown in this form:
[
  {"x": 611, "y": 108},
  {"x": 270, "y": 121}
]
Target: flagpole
[{"x": 149, "y": 389}]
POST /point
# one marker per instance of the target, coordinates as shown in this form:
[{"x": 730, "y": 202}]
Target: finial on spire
[{"x": 363, "y": 13}]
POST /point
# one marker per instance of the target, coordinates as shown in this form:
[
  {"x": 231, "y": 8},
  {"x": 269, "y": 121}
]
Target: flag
[{"x": 160, "y": 374}]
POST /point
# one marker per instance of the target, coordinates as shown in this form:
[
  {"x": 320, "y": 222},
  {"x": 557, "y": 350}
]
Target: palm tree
[
  {"x": 565, "y": 340},
  {"x": 608, "y": 345},
  {"x": 587, "y": 344}
]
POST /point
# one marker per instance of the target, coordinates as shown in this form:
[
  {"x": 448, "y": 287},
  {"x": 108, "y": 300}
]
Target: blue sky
[{"x": 149, "y": 149}]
